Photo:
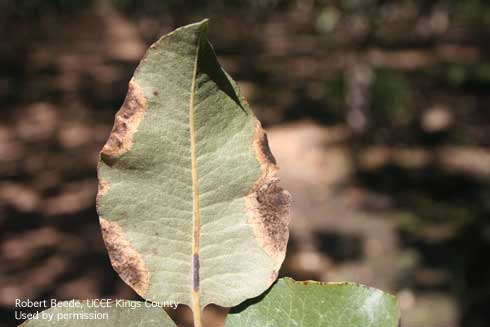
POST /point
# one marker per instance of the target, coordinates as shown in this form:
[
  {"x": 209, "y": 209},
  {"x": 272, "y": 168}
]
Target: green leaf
[
  {"x": 120, "y": 313},
  {"x": 310, "y": 304},
  {"x": 188, "y": 200}
]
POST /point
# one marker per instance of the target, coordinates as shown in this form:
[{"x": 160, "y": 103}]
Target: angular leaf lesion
[{"x": 267, "y": 204}]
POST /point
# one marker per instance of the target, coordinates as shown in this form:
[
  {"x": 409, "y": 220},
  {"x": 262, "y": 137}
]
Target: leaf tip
[
  {"x": 204, "y": 22},
  {"x": 200, "y": 27},
  {"x": 203, "y": 31}
]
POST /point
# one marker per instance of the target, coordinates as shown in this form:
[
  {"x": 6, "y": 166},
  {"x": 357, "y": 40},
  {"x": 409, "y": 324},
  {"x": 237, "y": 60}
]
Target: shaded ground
[{"x": 377, "y": 114}]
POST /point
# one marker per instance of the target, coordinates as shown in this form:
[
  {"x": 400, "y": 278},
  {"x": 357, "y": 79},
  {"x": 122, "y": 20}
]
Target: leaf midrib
[{"x": 196, "y": 306}]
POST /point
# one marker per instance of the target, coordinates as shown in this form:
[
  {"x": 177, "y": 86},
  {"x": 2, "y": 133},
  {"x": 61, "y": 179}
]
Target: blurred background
[{"x": 377, "y": 112}]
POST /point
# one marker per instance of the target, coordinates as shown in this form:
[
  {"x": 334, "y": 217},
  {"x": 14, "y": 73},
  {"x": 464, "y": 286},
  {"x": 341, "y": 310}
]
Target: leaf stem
[{"x": 196, "y": 315}]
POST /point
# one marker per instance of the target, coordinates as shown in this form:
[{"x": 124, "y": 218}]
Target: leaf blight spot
[
  {"x": 267, "y": 204},
  {"x": 125, "y": 260},
  {"x": 126, "y": 123}
]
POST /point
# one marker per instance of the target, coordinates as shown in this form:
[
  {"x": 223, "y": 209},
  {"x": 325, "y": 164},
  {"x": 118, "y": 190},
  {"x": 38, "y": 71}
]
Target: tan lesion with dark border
[
  {"x": 126, "y": 123},
  {"x": 267, "y": 204},
  {"x": 125, "y": 260}
]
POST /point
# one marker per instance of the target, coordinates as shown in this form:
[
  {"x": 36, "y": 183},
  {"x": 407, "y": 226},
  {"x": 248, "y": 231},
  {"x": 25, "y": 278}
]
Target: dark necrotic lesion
[{"x": 273, "y": 207}]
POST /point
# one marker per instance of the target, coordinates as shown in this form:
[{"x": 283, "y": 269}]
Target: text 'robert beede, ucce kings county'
[{"x": 93, "y": 303}]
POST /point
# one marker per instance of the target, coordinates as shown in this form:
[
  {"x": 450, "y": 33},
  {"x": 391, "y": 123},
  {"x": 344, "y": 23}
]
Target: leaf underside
[
  {"x": 314, "y": 304},
  {"x": 188, "y": 200},
  {"x": 114, "y": 316}
]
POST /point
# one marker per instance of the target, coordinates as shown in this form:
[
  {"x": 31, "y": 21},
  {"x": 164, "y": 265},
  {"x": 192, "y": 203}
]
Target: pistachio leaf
[
  {"x": 310, "y": 304},
  {"x": 188, "y": 200},
  {"x": 119, "y": 313}
]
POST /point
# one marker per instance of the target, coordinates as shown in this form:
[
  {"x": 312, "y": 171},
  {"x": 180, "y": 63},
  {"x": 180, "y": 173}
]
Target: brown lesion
[
  {"x": 262, "y": 150},
  {"x": 267, "y": 204},
  {"x": 125, "y": 260},
  {"x": 262, "y": 143},
  {"x": 126, "y": 123},
  {"x": 102, "y": 190}
]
